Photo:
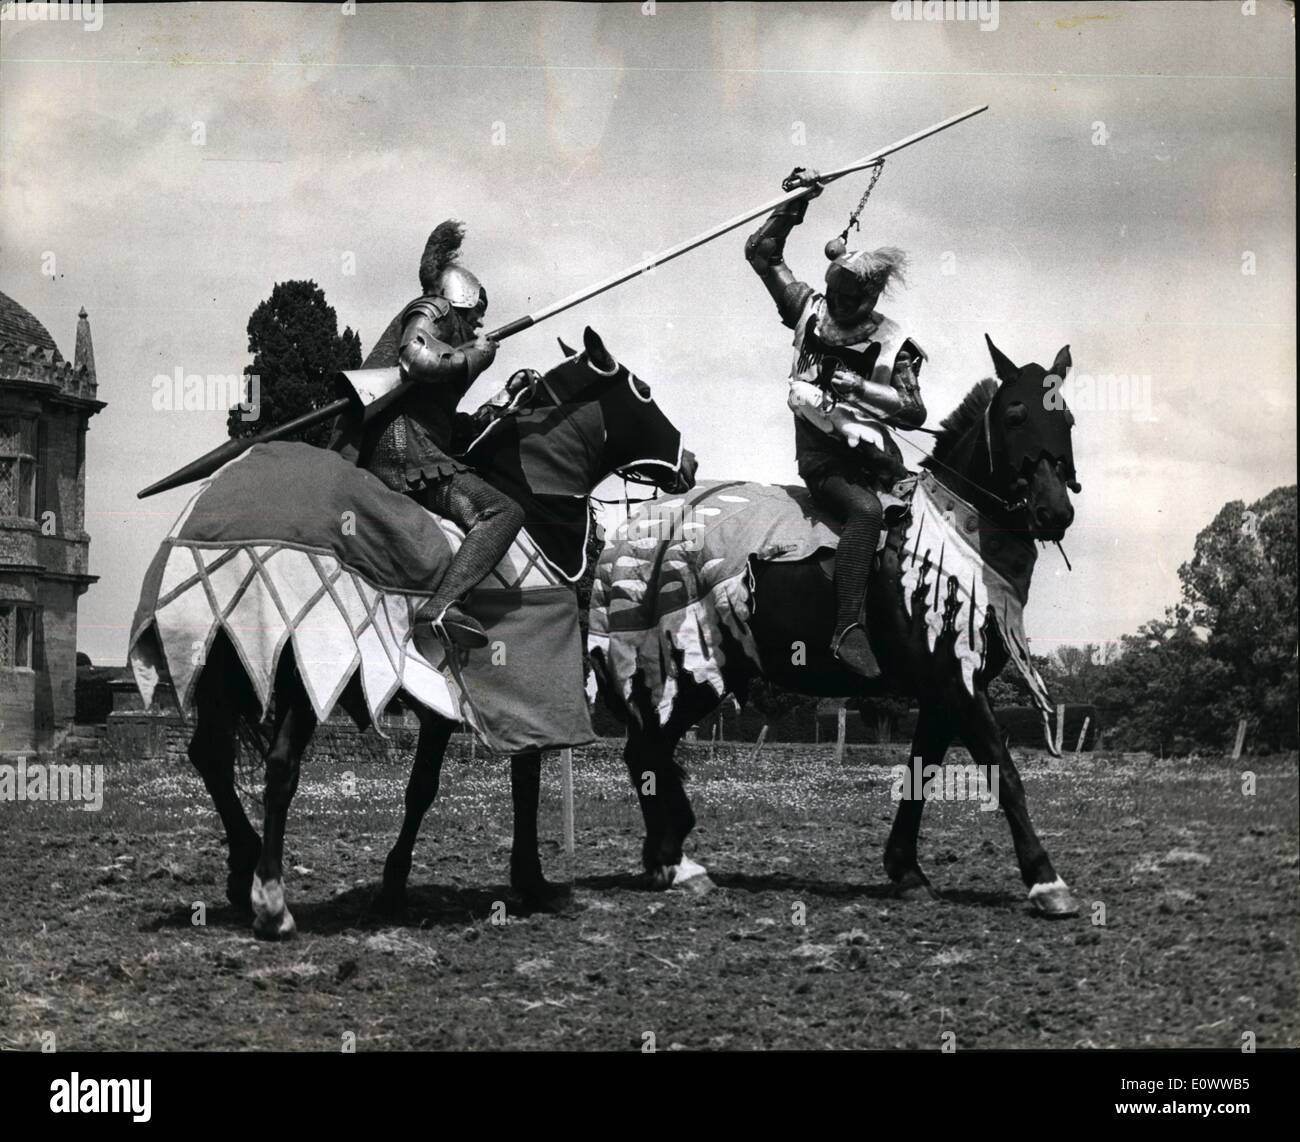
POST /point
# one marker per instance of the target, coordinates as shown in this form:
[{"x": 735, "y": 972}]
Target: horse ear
[
  {"x": 1002, "y": 364},
  {"x": 597, "y": 354},
  {"x": 565, "y": 348},
  {"x": 1062, "y": 364}
]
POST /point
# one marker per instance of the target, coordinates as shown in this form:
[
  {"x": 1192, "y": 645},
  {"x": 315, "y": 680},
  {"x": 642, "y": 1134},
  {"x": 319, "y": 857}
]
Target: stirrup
[
  {"x": 839, "y": 638},
  {"x": 868, "y": 668}
]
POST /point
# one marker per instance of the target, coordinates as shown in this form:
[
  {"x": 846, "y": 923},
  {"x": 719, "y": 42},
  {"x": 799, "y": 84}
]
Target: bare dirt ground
[{"x": 1198, "y": 882}]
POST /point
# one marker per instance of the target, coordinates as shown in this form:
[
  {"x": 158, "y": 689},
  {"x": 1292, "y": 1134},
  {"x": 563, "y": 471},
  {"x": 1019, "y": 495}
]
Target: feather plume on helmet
[
  {"x": 441, "y": 273},
  {"x": 875, "y": 270}
]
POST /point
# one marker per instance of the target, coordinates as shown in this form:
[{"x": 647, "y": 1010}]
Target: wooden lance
[{"x": 372, "y": 389}]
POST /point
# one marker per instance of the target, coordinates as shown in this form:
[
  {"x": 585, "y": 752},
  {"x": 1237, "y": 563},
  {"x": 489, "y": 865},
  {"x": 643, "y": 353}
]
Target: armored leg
[
  {"x": 860, "y": 509},
  {"x": 491, "y": 520}
]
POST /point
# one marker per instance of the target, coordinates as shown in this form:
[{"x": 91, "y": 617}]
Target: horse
[
  {"x": 584, "y": 419},
  {"x": 999, "y": 478}
]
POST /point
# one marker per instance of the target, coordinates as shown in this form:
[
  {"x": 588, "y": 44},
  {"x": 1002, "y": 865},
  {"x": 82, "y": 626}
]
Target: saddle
[{"x": 824, "y": 529}]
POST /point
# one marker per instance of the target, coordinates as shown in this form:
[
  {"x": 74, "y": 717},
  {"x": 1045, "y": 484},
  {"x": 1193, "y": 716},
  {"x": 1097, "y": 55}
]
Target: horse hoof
[
  {"x": 535, "y": 892},
  {"x": 272, "y": 919},
  {"x": 1053, "y": 900},
  {"x": 280, "y": 927},
  {"x": 917, "y": 894},
  {"x": 691, "y": 876},
  {"x": 914, "y": 888},
  {"x": 659, "y": 879}
]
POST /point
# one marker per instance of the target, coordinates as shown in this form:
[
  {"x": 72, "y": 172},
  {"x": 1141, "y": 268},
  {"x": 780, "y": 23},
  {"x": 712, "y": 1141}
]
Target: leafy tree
[
  {"x": 1240, "y": 585},
  {"x": 1009, "y": 688},
  {"x": 1165, "y": 693},
  {"x": 296, "y": 346},
  {"x": 1073, "y": 673},
  {"x": 1227, "y": 652}
]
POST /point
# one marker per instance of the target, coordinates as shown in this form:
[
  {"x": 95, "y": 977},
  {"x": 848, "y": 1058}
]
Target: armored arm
[
  {"x": 899, "y": 402},
  {"x": 907, "y": 384},
  {"x": 883, "y": 400},
  {"x": 426, "y": 358},
  {"x": 765, "y": 251}
]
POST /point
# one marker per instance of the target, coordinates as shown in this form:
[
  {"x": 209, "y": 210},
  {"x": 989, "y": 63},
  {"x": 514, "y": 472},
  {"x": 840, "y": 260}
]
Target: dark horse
[
  {"x": 1006, "y": 452},
  {"x": 587, "y": 418}
]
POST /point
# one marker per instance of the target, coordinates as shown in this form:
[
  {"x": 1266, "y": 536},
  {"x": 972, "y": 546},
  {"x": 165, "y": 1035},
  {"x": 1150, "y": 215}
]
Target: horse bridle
[
  {"x": 1072, "y": 483},
  {"x": 525, "y": 399},
  {"x": 1021, "y": 504}
]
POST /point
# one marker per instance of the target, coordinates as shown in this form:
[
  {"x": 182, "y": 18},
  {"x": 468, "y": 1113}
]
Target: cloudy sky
[{"x": 1135, "y": 161}]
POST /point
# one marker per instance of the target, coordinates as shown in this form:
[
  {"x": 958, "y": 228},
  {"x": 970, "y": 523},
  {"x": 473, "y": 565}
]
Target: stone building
[{"x": 45, "y": 407}]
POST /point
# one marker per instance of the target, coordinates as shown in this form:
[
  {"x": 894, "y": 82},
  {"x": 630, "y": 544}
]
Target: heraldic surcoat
[{"x": 832, "y": 414}]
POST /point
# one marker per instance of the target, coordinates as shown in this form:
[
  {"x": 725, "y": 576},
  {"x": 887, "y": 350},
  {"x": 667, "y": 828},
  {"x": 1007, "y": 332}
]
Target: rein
[{"x": 1006, "y": 506}]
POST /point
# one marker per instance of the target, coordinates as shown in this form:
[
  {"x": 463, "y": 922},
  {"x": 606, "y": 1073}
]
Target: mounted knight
[
  {"x": 409, "y": 444},
  {"x": 854, "y": 375}
]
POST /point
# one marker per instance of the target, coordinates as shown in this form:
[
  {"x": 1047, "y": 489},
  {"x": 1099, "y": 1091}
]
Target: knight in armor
[
  {"x": 409, "y": 446},
  {"x": 854, "y": 375}
]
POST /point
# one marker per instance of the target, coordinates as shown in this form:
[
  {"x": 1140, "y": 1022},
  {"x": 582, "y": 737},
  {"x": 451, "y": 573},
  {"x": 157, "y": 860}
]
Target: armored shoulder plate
[
  {"x": 912, "y": 347},
  {"x": 436, "y": 309}
]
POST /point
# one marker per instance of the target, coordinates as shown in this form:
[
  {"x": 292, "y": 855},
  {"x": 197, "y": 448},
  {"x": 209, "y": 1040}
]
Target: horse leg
[
  {"x": 525, "y": 861},
  {"x": 929, "y": 743},
  {"x": 1048, "y": 893},
  {"x": 639, "y": 758},
  {"x": 679, "y": 820},
  {"x": 212, "y": 752},
  {"x": 295, "y": 723},
  {"x": 421, "y": 789},
  {"x": 666, "y": 810}
]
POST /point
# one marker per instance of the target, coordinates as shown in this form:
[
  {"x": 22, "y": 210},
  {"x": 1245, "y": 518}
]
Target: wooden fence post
[
  {"x": 762, "y": 737},
  {"x": 1241, "y": 740},
  {"x": 566, "y": 780},
  {"x": 841, "y": 724},
  {"x": 1083, "y": 734},
  {"x": 1060, "y": 727}
]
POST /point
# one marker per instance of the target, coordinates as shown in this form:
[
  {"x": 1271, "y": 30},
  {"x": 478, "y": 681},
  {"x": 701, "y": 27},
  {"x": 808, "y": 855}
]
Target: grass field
[{"x": 1198, "y": 884}]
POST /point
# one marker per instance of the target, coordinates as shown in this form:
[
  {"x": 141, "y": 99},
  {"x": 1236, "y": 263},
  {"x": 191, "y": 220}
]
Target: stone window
[
  {"x": 18, "y": 649},
  {"x": 18, "y": 467}
]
